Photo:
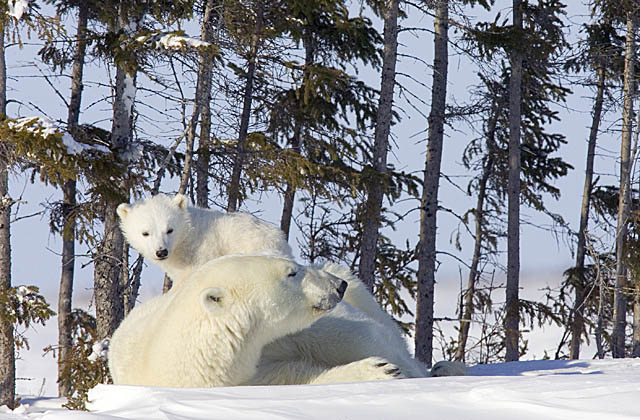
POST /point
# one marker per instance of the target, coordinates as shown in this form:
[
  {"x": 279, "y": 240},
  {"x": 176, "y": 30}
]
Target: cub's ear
[
  {"x": 123, "y": 210},
  {"x": 214, "y": 299},
  {"x": 181, "y": 201}
]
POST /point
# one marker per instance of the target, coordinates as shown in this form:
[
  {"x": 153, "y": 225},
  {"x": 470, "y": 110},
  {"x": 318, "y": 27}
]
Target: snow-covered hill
[{"x": 583, "y": 389}]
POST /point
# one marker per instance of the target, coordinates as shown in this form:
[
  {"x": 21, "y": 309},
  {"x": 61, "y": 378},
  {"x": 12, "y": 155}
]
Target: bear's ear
[
  {"x": 181, "y": 201},
  {"x": 214, "y": 299},
  {"x": 123, "y": 210}
]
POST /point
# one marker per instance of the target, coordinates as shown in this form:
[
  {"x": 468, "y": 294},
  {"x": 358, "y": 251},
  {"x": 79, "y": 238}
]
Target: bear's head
[
  {"x": 276, "y": 293},
  {"x": 155, "y": 225},
  {"x": 222, "y": 316}
]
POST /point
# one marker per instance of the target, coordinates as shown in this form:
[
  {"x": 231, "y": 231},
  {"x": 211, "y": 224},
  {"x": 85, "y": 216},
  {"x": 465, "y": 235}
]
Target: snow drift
[{"x": 534, "y": 390}]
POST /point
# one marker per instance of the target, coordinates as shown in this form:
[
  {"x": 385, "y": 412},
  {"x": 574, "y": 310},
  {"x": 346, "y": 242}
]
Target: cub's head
[
  {"x": 275, "y": 295},
  {"x": 154, "y": 225}
]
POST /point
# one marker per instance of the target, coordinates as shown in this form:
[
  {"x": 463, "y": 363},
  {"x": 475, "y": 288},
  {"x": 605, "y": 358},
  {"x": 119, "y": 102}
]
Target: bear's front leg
[{"x": 369, "y": 369}]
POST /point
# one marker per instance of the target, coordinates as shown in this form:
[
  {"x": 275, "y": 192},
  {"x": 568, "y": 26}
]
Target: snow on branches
[
  {"x": 173, "y": 41},
  {"x": 17, "y": 8}
]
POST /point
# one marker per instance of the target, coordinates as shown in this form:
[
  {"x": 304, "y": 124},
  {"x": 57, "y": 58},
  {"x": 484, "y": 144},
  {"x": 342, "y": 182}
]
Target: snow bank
[{"x": 550, "y": 390}]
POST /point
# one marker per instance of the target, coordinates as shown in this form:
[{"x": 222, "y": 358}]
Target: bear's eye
[
  {"x": 214, "y": 298},
  {"x": 145, "y": 233},
  {"x": 170, "y": 230},
  {"x": 292, "y": 273}
]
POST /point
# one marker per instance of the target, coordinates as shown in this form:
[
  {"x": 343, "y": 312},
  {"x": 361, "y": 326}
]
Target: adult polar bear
[
  {"x": 211, "y": 329},
  {"x": 180, "y": 239}
]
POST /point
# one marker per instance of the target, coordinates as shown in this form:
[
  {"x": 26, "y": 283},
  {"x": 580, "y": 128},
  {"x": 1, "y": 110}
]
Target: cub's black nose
[
  {"x": 342, "y": 288},
  {"x": 162, "y": 253}
]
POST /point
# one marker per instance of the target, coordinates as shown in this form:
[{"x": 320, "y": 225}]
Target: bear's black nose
[
  {"x": 162, "y": 253},
  {"x": 342, "y": 288}
]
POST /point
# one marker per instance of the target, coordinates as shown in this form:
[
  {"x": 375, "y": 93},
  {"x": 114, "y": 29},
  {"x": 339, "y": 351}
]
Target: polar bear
[
  {"x": 180, "y": 238},
  {"x": 210, "y": 330}
]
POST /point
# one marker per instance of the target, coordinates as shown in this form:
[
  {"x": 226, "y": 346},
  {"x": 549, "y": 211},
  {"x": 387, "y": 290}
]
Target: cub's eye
[
  {"x": 292, "y": 274},
  {"x": 170, "y": 230},
  {"x": 145, "y": 233}
]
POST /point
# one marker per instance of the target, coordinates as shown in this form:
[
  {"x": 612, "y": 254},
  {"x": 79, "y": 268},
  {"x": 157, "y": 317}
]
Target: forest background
[{"x": 298, "y": 104}]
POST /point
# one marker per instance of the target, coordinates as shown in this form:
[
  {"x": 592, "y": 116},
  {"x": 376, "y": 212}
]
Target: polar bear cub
[
  {"x": 210, "y": 331},
  {"x": 180, "y": 238}
]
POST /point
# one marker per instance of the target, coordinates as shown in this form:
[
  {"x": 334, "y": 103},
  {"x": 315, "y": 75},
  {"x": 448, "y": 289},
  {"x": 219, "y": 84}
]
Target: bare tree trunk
[
  {"x": 185, "y": 177},
  {"x": 619, "y": 298},
  {"x": 467, "y": 311},
  {"x": 108, "y": 268},
  {"x": 204, "y": 157},
  {"x": 109, "y": 261},
  {"x": 512, "y": 317},
  {"x": 234, "y": 184},
  {"x": 205, "y": 71},
  {"x": 429, "y": 201},
  {"x": 287, "y": 209},
  {"x": 635, "y": 348},
  {"x": 296, "y": 142},
  {"x": 577, "y": 322},
  {"x": 600, "y": 320},
  {"x": 368, "y": 246},
  {"x": 68, "y": 205},
  {"x": 7, "y": 354},
  {"x": 290, "y": 193}
]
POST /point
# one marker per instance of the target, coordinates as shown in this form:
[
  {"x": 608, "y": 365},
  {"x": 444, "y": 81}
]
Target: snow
[
  {"x": 173, "y": 41},
  {"x": 532, "y": 390},
  {"x": 47, "y": 127},
  {"x": 17, "y": 8},
  {"x": 129, "y": 94},
  {"x": 99, "y": 350}
]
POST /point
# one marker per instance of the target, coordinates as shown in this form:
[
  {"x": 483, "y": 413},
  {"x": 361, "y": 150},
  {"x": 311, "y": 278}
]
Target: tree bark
[
  {"x": 287, "y": 208},
  {"x": 296, "y": 140},
  {"x": 384, "y": 116},
  {"x": 429, "y": 200},
  {"x": 577, "y": 323},
  {"x": 619, "y": 298},
  {"x": 205, "y": 72},
  {"x": 234, "y": 183},
  {"x": 109, "y": 261},
  {"x": 68, "y": 204},
  {"x": 108, "y": 268},
  {"x": 204, "y": 156},
  {"x": 512, "y": 316},
  {"x": 7, "y": 354}
]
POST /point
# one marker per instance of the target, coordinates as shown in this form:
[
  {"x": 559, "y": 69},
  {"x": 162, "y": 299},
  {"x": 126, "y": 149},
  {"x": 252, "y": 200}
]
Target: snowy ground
[{"x": 583, "y": 389}]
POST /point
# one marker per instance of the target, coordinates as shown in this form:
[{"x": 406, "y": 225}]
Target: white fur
[
  {"x": 210, "y": 330},
  {"x": 197, "y": 235},
  {"x": 330, "y": 351},
  {"x": 357, "y": 341}
]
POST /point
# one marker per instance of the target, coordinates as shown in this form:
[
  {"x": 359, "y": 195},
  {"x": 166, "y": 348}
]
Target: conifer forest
[{"x": 401, "y": 138}]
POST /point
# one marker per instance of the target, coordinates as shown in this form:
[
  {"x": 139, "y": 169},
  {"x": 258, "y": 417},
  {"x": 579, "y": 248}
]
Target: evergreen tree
[
  {"x": 489, "y": 153},
  {"x": 620, "y": 300},
  {"x": 598, "y": 55}
]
